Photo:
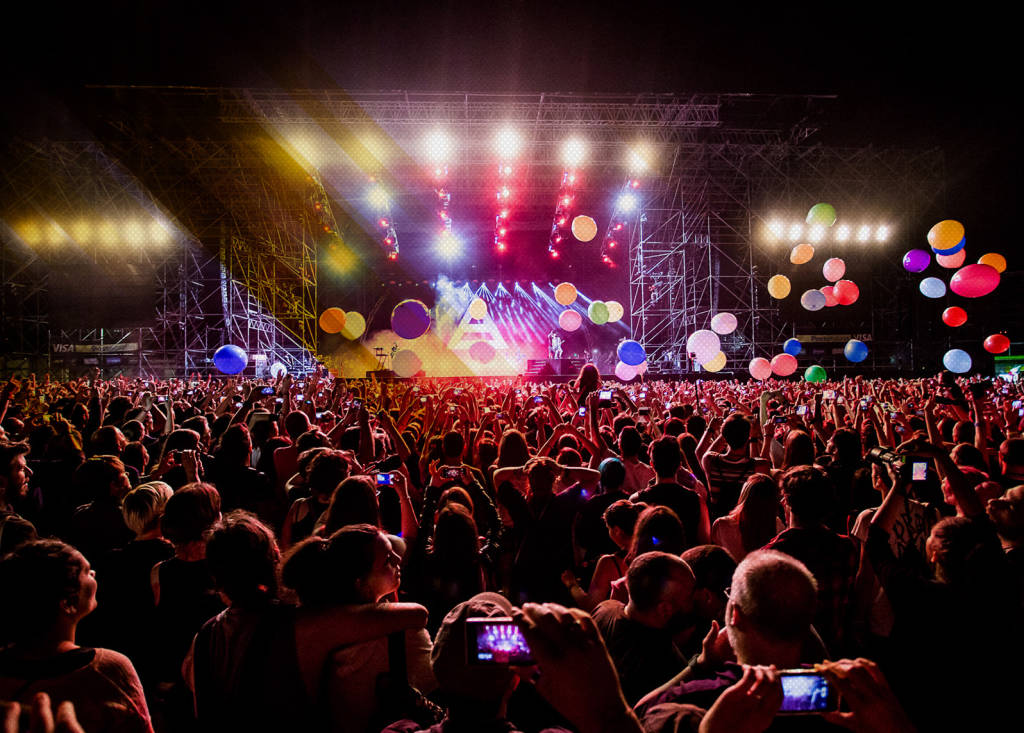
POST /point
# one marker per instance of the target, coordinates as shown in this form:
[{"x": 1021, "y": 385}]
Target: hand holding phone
[
  {"x": 496, "y": 641},
  {"x": 806, "y": 692}
]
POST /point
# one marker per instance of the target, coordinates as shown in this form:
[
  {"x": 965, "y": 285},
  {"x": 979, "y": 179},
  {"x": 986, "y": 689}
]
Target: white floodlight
[{"x": 574, "y": 151}]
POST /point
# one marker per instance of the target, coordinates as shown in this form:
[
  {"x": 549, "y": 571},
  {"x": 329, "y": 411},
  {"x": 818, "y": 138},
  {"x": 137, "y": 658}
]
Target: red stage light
[
  {"x": 388, "y": 240},
  {"x": 558, "y": 238},
  {"x": 554, "y": 253},
  {"x": 501, "y": 246},
  {"x": 327, "y": 228},
  {"x": 635, "y": 183},
  {"x": 502, "y": 232},
  {"x": 504, "y": 214},
  {"x": 443, "y": 215},
  {"x": 318, "y": 206},
  {"x": 392, "y": 255},
  {"x": 618, "y": 226},
  {"x": 384, "y": 223},
  {"x": 561, "y": 222},
  {"x": 567, "y": 200},
  {"x": 611, "y": 243}
]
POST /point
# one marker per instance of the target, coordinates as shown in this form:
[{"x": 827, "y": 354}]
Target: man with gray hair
[{"x": 768, "y": 620}]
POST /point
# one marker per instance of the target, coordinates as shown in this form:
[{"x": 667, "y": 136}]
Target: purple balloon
[
  {"x": 410, "y": 319},
  {"x": 916, "y": 260}
]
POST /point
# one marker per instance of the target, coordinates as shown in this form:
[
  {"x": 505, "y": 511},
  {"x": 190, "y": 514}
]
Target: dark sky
[{"x": 906, "y": 78}]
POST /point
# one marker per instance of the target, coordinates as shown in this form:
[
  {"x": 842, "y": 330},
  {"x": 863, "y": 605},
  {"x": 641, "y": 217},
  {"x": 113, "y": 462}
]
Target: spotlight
[
  {"x": 566, "y": 200},
  {"x": 384, "y": 223},
  {"x": 508, "y": 142},
  {"x": 81, "y": 231},
  {"x": 637, "y": 161},
  {"x": 573, "y": 152},
  {"x": 816, "y": 233},
  {"x": 795, "y": 232},
  {"x": 882, "y": 234},
  {"x": 448, "y": 245},
  {"x": 626, "y": 203},
  {"x": 504, "y": 214},
  {"x": 864, "y": 233},
  {"x": 635, "y": 183},
  {"x": 378, "y": 198},
  {"x": 553, "y": 252},
  {"x": 842, "y": 233},
  {"x": 776, "y": 229},
  {"x": 438, "y": 146},
  {"x": 134, "y": 233}
]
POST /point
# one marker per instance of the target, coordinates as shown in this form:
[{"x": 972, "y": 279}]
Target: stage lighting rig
[
  {"x": 381, "y": 202},
  {"x": 626, "y": 205},
  {"x": 562, "y": 222}
]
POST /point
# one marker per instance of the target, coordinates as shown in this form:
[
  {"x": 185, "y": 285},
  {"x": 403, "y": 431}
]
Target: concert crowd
[{"x": 484, "y": 555}]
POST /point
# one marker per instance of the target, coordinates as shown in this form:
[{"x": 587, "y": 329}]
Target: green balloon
[
  {"x": 824, "y": 214},
  {"x": 598, "y": 312},
  {"x": 815, "y": 373}
]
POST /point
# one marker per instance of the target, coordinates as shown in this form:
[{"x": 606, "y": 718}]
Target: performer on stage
[{"x": 554, "y": 345}]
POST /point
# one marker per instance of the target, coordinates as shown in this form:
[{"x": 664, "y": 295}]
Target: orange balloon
[
  {"x": 993, "y": 259},
  {"x": 332, "y": 320}
]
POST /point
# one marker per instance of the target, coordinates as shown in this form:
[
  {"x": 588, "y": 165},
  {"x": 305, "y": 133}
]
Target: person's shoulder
[{"x": 115, "y": 667}]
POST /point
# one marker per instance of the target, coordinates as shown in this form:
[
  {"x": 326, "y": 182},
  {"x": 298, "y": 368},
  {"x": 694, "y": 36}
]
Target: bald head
[{"x": 776, "y": 595}]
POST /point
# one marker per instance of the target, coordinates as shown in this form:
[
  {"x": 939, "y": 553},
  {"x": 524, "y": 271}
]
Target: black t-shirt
[
  {"x": 591, "y": 533},
  {"x": 683, "y": 501},
  {"x": 644, "y": 657}
]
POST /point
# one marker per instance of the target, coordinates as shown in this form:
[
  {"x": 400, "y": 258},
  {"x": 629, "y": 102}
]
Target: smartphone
[
  {"x": 643, "y": 395},
  {"x": 267, "y": 391},
  {"x": 805, "y": 692},
  {"x": 779, "y": 419},
  {"x": 279, "y": 401},
  {"x": 384, "y": 479},
  {"x": 801, "y": 409},
  {"x": 501, "y": 415},
  {"x": 839, "y": 400},
  {"x": 238, "y": 389},
  {"x": 668, "y": 405},
  {"x": 191, "y": 391},
  {"x": 161, "y": 398},
  {"x": 604, "y": 398},
  {"x": 519, "y": 391},
  {"x": 452, "y": 472},
  {"x": 643, "y": 411},
  {"x": 538, "y": 400},
  {"x": 456, "y": 391},
  {"x": 582, "y": 412},
  {"x": 892, "y": 415},
  {"x": 423, "y": 399},
  {"x": 1016, "y": 404},
  {"x": 919, "y": 471},
  {"x": 357, "y": 403},
  {"x": 496, "y": 642},
  {"x": 830, "y": 394},
  {"x": 318, "y": 415},
  {"x": 299, "y": 397}
]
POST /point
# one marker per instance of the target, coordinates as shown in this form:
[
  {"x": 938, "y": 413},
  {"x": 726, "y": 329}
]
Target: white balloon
[
  {"x": 278, "y": 370},
  {"x": 813, "y": 300},
  {"x": 724, "y": 323},
  {"x": 704, "y": 344},
  {"x": 406, "y": 363}
]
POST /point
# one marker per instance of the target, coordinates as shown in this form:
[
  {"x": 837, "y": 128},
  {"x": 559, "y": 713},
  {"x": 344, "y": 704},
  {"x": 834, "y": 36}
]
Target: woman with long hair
[{"x": 753, "y": 522}]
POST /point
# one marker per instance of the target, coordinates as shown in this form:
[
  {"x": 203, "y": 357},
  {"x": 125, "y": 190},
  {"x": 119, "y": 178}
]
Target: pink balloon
[
  {"x": 783, "y": 364},
  {"x": 569, "y": 320},
  {"x": 846, "y": 292},
  {"x": 974, "y": 281},
  {"x": 833, "y": 269},
  {"x": 829, "y": 292},
  {"x": 952, "y": 262},
  {"x": 760, "y": 368},
  {"x": 625, "y": 372}
]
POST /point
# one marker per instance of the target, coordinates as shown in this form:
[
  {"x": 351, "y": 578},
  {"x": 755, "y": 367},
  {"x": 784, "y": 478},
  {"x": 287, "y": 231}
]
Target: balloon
[
  {"x": 631, "y": 353},
  {"x": 584, "y": 228},
  {"x": 570, "y": 320},
  {"x": 824, "y": 214},
  {"x": 916, "y": 260},
  {"x": 801, "y": 254},
  {"x": 565, "y": 294},
  {"x": 954, "y": 316},
  {"x": 230, "y": 359},
  {"x": 951, "y": 262},
  {"x": 760, "y": 368},
  {"x": 833, "y": 269},
  {"x": 724, "y": 323},
  {"x": 332, "y": 320},
  {"x": 716, "y": 364},
  {"x": 846, "y": 292},
  {"x": 855, "y": 351},
  {"x": 624, "y": 372},
  {"x": 778, "y": 286},
  {"x": 829, "y": 292},
  {"x": 482, "y": 352},
  {"x": 997, "y": 343},
  {"x": 815, "y": 373},
  {"x": 278, "y": 370},
  {"x": 598, "y": 312},
  {"x": 641, "y": 368},
  {"x": 410, "y": 319},
  {"x": 974, "y": 281},
  {"x": 615, "y": 310},
  {"x": 953, "y": 250},
  {"x": 946, "y": 235},
  {"x": 783, "y": 364},
  {"x": 704, "y": 345},
  {"x": 957, "y": 361},
  {"x": 478, "y": 308},
  {"x": 405, "y": 363},
  {"x": 932, "y": 287},
  {"x": 792, "y": 347},
  {"x": 355, "y": 326},
  {"x": 812, "y": 300},
  {"x": 995, "y": 260}
]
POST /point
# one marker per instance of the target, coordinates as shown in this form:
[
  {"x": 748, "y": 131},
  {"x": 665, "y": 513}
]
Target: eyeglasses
[{"x": 727, "y": 592}]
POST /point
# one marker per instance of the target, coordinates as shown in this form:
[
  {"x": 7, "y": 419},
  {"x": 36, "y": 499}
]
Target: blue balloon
[
  {"x": 932, "y": 287},
  {"x": 230, "y": 359},
  {"x": 952, "y": 250},
  {"x": 632, "y": 353},
  {"x": 792, "y": 347},
  {"x": 957, "y": 361},
  {"x": 856, "y": 351}
]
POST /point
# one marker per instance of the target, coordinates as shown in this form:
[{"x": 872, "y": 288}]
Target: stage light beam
[
  {"x": 626, "y": 203},
  {"x": 816, "y": 233},
  {"x": 776, "y": 229},
  {"x": 842, "y": 233},
  {"x": 378, "y": 198},
  {"x": 438, "y": 146},
  {"x": 864, "y": 233},
  {"x": 448, "y": 245},
  {"x": 637, "y": 160},
  {"x": 882, "y": 233},
  {"x": 574, "y": 152},
  {"x": 508, "y": 143},
  {"x": 795, "y": 232}
]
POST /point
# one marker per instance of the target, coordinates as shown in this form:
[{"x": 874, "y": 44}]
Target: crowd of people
[{"x": 315, "y": 553}]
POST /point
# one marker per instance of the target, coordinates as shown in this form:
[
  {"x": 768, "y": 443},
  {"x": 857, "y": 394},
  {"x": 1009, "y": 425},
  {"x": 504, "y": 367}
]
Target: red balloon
[
  {"x": 846, "y": 292},
  {"x": 974, "y": 281},
  {"x": 783, "y": 364},
  {"x": 954, "y": 316},
  {"x": 997, "y": 343},
  {"x": 829, "y": 291}
]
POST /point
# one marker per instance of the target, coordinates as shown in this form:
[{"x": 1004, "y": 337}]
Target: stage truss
[{"x": 249, "y": 234}]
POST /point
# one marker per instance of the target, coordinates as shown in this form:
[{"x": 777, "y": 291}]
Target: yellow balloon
[
  {"x": 716, "y": 363},
  {"x": 801, "y": 254},
  {"x": 584, "y": 228},
  {"x": 565, "y": 294},
  {"x": 946, "y": 234},
  {"x": 355, "y": 326},
  {"x": 332, "y": 320},
  {"x": 478, "y": 308},
  {"x": 615, "y": 310},
  {"x": 778, "y": 286},
  {"x": 993, "y": 260}
]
